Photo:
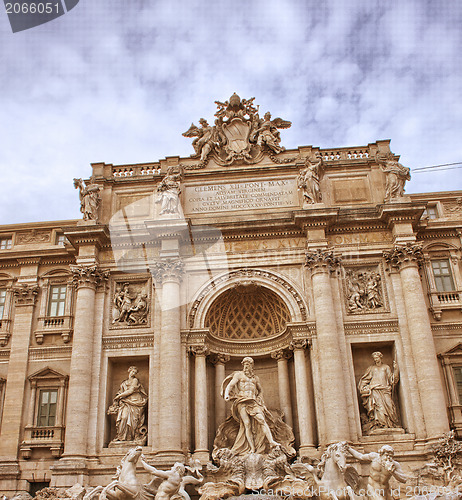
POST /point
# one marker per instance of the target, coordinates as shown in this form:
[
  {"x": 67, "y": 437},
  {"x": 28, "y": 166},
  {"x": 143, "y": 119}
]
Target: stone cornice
[
  {"x": 259, "y": 347},
  {"x": 88, "y": 234},
  {"x": 128, "y": 342},
  {"x": 321, "y": 260},
  {"x": 404, "y": 255},
  {"x": 88, "y": 276},
  {"x": 371, "y": 327},
  {"x": 396, "y": 213}
]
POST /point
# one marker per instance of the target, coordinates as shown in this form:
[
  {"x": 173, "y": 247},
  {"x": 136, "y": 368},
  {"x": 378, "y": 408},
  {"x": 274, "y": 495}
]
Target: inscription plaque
[{"x": 248, "y": 195}]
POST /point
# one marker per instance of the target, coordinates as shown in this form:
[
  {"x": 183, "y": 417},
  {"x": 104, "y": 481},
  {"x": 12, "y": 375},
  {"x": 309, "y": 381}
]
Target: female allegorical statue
[{"x": 129, "y": 405}]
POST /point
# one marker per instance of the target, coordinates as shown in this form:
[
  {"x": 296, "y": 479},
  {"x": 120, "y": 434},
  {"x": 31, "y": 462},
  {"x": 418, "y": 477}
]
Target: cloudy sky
[{"x": 119, "y": 81}]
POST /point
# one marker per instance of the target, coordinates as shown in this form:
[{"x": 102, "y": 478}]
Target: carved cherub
[
  {"x": 266, "y": 132},
  {"x": 205, "y": 138}
]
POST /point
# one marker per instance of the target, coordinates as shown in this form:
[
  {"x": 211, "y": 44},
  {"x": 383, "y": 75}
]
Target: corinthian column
[
  {"x": 305, "y": 422},
  {"x": 330, "y": 362},
  {"x": 168, "y": 274},
  {"x": 284, "y": 386},
  {"x": 406, "y": 259},
  {"x": 219, "y": 360},
  {"x": 86, "y": 279},
  {"x": 200, "y": 398},
  {"x": 25, "y": 296}
]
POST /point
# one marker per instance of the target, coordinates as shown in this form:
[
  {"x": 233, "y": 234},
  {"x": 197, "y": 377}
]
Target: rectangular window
[
  {"x": 431, "y": 212},
  {"x": 57, "y": 300},
  {"x": 5, "y": 243},
  {"x": 458, "y": 378},
  {"x": 2, "y": 302},
  {"x": 48, "y": 400},
  {"x": 61, "y": 240},
  {"x": 443, "y": 275}
]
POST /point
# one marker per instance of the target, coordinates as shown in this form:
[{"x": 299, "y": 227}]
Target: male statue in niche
[
  {"x": 376, "y": 387},
  {"x": 251, "y": 428}
]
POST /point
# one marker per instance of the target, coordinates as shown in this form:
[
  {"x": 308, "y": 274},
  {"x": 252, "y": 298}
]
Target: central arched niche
[{"x": 247, "y": 312}]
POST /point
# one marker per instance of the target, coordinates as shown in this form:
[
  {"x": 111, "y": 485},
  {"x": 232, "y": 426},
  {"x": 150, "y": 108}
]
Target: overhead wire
[{"x": 438, "y": 167}]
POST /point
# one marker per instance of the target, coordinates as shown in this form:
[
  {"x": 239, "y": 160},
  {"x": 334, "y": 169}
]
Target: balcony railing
[
  {"x": 54, "y": 325},
  {"x": 5, "y": 325},
  {"x": 440, "y": 301},
  {"x": 43, "y": 437}
]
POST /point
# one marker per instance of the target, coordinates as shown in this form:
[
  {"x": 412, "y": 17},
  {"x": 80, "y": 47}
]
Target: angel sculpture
[
  {"x": 267, "y": 132},
  {"x": 205, "y": 138}
]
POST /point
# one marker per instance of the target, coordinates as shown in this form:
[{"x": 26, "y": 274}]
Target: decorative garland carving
[
  {"x": 88, "y": 276},
  {"x": 322, "y": 260},
  {"x": 25, "y": 294},
  {"x": 400, "y": 255},
  {"x": 246, "y": 274}
]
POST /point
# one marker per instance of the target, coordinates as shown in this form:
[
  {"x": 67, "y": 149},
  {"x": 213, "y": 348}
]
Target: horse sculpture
[
  {"x": 126, "y": 485},
  {"x": 338, "y": 480}
]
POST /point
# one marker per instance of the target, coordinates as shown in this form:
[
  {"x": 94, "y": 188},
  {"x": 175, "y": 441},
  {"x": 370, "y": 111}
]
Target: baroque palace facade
[{"x": 119, "y": 329}]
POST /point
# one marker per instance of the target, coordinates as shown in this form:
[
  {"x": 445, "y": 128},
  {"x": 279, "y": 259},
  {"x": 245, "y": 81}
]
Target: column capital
[
  {"x": 199, "y": 350},
  {"x": 401, "y": 256},
  {"x": 321, "y": 260},
  {"x": 88, "y": 276},
  {"x": 299, "y": 344},
  {"x": 168, "y": 270},
  {"x": 281, "y": 354},
  {"x": 218, "y": 358},
  {"x": 25, "y": 294}
]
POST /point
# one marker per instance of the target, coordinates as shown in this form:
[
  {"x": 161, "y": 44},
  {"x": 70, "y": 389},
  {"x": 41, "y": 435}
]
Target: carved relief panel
[
  {"x": 130, "y": 302},
  {"x": 364, "y": 290}
]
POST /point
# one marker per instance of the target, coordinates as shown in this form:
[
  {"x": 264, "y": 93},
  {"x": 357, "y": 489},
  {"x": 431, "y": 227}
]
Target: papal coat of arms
[{"x": 239, "y": 134}]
